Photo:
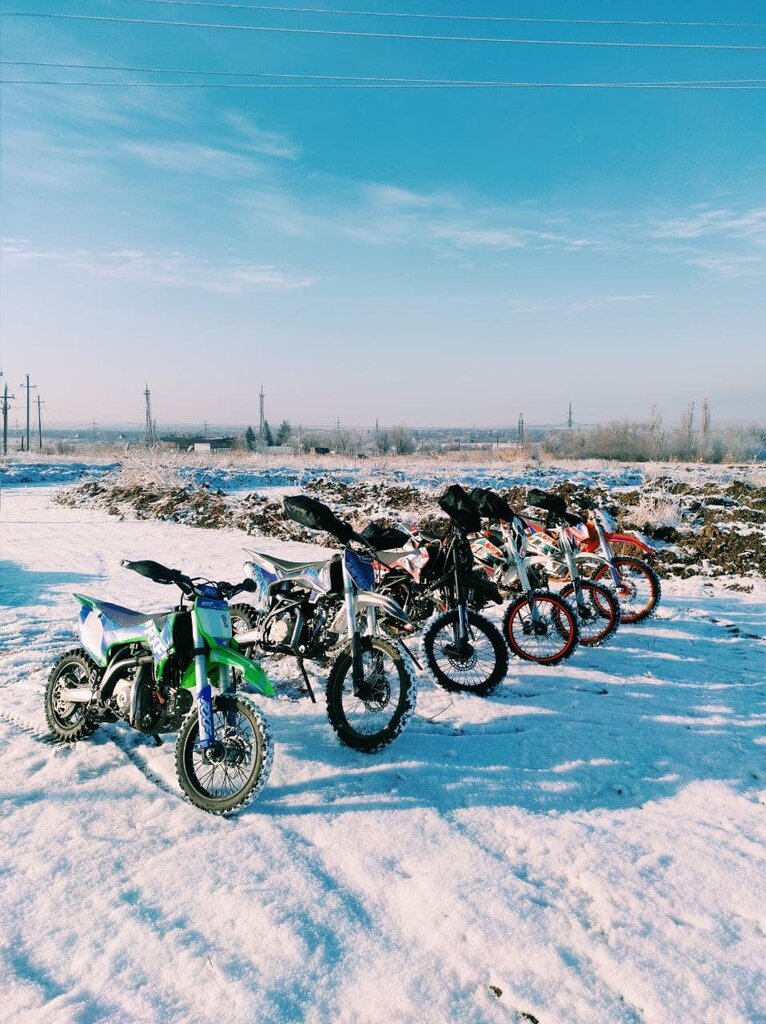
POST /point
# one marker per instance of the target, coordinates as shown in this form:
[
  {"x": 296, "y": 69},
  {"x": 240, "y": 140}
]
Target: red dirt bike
[{"x": 637, "y": 584}]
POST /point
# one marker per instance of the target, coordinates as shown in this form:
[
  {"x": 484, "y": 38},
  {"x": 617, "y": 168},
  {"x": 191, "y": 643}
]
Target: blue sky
[{"x": 429, "y": 256}]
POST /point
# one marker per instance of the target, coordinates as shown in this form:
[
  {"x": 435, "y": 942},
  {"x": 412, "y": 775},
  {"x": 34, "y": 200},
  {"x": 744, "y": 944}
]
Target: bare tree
[
  {"x": 402, "y": 440},
  {"x": 382, "y": 441}
]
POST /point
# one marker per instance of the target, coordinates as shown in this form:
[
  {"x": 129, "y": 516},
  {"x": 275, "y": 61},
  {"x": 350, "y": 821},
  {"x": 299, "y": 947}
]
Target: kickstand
[
  {"x": 306, "y": 680},
  {"x": 157, "y": 739}
]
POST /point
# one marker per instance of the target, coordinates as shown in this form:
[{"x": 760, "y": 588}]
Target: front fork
[
  {"x": 349, "y": 596},
  {"x": 203, "y": 691},
  {"x": 461, "y": 625},
  {"x": 574, "y": 574},
  {"x": 521, "y": 571},
  {"x": 606, "y": 551}
]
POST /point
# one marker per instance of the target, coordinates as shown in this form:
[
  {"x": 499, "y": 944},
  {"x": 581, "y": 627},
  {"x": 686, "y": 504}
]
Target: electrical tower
[
  {"x": 29, "y": 387},
  {"x": 570, "y": 421},
  {"x": 521, "y": 429},
  {"x": 6, "y": 397},
  {"x": 40, "y": 423},
  {"x": 261, "y": 420},
  {"x": 151, "y": 431}
]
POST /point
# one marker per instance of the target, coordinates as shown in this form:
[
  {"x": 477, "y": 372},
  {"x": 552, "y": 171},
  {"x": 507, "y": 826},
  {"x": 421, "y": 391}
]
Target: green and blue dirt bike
[{"x": 143, "y": 669}]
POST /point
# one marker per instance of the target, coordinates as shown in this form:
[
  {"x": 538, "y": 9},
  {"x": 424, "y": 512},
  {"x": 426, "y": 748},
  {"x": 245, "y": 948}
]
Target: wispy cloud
[
  {"x": 750, "y": 224},
  {"x": 175, "y": 269},
  {"x": 605, "y": 302},
  {"x": 722, "y": 241},
  {"x": 261, "y": 140},
  {"x": 464, "y": 236},
  {"x": 193, "y": 158}
]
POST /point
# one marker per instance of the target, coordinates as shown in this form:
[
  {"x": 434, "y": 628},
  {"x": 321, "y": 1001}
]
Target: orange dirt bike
[
  {"x": 538, "y": 625},
  {"x": 637, "y": 584},
  {"x": 554, "y": 549}
]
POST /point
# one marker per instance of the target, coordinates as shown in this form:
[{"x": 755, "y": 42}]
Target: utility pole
[
  {"x": 40, "y": 423},
  {"x": 261, "y": 396},
  {"x": 570, "y": 421},
  {"x": 151, "y": 433},
  {"x": 93, "y": 430},
  {"x": 6, "y": 397},
  {"x": 29, "y": 387}
]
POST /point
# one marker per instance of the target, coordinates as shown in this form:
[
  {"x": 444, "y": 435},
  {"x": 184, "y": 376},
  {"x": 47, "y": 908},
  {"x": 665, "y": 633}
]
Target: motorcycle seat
[
  {"x": 127, "y": 617},
  {"x": 389, "y": 557},
  {"x": 285, "y": 565}
]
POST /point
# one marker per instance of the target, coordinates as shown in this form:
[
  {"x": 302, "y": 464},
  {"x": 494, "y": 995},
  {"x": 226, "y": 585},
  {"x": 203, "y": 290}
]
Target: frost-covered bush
[
  {"x": 656, "y": 509},
  {"x": 144, "y": 467}
]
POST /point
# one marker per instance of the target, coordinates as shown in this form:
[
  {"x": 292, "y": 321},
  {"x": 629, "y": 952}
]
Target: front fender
[
  {"x": 251, "y": 670},
  {"x": 366, "y": 598},
  {"x": 589, "y": 559},
  {"x": 629, "y": 538}
]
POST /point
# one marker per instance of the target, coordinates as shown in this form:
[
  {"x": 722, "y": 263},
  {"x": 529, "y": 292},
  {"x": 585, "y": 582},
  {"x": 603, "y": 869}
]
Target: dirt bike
[
  {"x": 141, "y": 668},
  {"x": 554, "y": 549},
  {"x": 637, "y": 584},
  {"x": 462, "y": 648},
  {"x": 538, "y": 625},
  {"x": 327, "y": 609}
]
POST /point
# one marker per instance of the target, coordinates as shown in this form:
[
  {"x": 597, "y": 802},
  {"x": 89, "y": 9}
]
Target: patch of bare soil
[{"x": 716, "y": 531}]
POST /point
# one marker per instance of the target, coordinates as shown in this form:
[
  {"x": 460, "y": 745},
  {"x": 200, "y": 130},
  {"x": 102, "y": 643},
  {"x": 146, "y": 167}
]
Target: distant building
[{"x": 194, "y": 443}]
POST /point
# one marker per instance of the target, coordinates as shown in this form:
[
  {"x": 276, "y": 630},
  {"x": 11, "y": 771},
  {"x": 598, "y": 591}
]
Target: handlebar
[{"x": 161, "y": 574}]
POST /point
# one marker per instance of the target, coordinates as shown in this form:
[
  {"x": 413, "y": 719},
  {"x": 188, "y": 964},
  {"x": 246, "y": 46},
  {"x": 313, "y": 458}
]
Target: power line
[
  {"x": 304, "y": 81},
  {"x": 447, "y": 17},
  {"x": 346, "y": 33},
  {"x": 380, "y": 80},
  {"x": 380, "y": 85}
]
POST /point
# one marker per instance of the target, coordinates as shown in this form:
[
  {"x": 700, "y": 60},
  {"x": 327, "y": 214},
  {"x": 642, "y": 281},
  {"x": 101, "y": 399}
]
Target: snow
[{"x": 588, "y": 842}]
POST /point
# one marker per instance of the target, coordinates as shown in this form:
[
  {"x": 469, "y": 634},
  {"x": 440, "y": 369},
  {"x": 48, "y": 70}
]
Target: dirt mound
[{"x": 704, "y": 529}]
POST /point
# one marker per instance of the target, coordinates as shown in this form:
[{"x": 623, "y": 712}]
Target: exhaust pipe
[{"x": 77, "y": 695}]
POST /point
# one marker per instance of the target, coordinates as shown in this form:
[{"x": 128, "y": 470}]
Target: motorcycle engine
[
  {"x": 278, "y": 629},
  {"x": 121, "y": 697},
  {"x": 156, "y": 709}
]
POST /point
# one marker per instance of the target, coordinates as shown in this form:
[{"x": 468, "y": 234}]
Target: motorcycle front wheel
[
  {"x": 639, "y": 589},
  {"x": 372, "y": 713},
  {"x": 548, "y": 636},
  {"x": 477, "y": 664},
  {"x": 230, "y": 774},
  {"x": 598, "y": 611}
]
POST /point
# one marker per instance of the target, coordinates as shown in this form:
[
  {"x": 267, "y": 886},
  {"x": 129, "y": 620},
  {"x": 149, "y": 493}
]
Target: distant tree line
[
  {"x": 395, "y": 440},
  {"x": 692, "y": 440}
]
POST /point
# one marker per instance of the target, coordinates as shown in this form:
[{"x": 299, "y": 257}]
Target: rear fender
[{"x": 252, "y": 672}]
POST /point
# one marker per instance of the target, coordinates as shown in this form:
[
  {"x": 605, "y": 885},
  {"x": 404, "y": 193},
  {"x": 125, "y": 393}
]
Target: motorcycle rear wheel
[{"x": 68, "y": 720}]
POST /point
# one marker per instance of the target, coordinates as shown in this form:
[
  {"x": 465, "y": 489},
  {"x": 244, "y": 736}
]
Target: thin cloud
[
  {"x": 726, "y": 223},
  {"x": 193, "y": 158},
  {"x": 605, "y": 302},
  {"x": 262, "y": 140},
  {"x": 174, "y": 269}
]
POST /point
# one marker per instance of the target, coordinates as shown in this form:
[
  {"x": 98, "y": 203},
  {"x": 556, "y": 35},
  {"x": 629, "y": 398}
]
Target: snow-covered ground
[{"x": 586, "y": 845}]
